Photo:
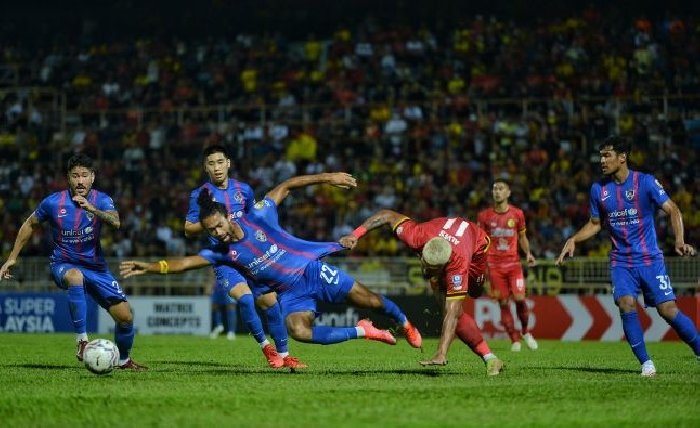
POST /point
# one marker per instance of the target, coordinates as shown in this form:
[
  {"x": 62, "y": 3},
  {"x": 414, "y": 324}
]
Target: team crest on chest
[
  {"x": 511, "y": 223},
  {"x": 260, "y": 235},
  {"x": 89, "y": 215},
  {"x": 629, "y": 194},
  {"x": 238, "y": 197}
]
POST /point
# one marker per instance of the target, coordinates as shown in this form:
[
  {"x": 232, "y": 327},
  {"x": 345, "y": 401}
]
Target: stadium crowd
[{"x": 424, "y": 117}]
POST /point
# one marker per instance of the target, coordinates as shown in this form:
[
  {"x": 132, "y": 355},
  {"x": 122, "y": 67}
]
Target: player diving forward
[
  {"x": 453, "y": 256},
  {"x": 256, "y": 248},
  {"x": 238, "y": 198}
]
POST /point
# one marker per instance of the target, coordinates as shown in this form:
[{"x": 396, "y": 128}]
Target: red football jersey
[
  {"x": 469, "y": 243},
  {"x": 503, "y": 229}
]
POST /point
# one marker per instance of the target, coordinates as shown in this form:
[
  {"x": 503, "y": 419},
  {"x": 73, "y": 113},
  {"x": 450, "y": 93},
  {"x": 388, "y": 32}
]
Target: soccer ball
[{"x": 101, "y": 356}]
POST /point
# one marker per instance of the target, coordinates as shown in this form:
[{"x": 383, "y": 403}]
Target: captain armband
[{"x": 163, "y": 267}]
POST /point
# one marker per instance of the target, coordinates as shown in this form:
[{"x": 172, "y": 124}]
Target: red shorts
[{"x": 506, "y": 280}]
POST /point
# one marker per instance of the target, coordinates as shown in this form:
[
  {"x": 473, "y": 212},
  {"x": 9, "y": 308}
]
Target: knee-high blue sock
[
  {"x": 635, "y": 335},
  {"x": 392, "y": 310},
  {"x": 218, "y": 319},
  {"x": 78, "y": 307},
  {"x": 124, "y": 338},
  {"x": 278, "y": 330},
  {"x": 328, "y": 335},
  {"x": 231, "y": 318},
  {"x": 686, "y": 330},
  {"x": 251, "y": 318}
]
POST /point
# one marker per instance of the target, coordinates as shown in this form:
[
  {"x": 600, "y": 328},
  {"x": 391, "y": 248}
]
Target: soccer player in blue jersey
[
  {"x": 75, "y": 217},
  {"x": 257, "y": 249},
  {"x": 238, "y": 198},
  {"x": 626, "y": 200}
]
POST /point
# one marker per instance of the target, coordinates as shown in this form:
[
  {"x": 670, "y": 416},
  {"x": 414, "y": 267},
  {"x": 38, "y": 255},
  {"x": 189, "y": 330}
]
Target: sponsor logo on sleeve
[{"x": 457, "y": 282}]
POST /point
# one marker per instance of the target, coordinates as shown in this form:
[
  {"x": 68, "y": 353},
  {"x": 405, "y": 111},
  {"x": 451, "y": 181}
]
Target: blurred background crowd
[{"x": 425, "y": 115}]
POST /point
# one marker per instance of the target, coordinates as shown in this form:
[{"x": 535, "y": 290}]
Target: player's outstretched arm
[
  {"x": 587, "y": 231},
  {"x": 131, "y": 268},
  {"x": 337, "y": 179},
  {"x": 379, "y": 219},
  {"x": 23, "y": 236},
  {"x": 674, "y": 212}
]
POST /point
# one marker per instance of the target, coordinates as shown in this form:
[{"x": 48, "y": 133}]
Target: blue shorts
[
  {"x": 228, "y": 277},
  {"x": 321, "y": 282},
  {"x": 100, "y": 284},
  {"x": 220, "y": 296},
  {"x": 652, "y": 281}
]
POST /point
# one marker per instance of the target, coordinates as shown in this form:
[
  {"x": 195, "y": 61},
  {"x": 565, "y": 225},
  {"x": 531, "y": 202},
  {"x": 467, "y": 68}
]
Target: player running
[
  {"x": 255, "y": 248},
  {"x": 238, "y": 198},
  {"x": 505, "y": 225},
  {"x": 453, "y": 256},
  {"x": 75, "y": 217},
  {"x": 627, "y": 200}
]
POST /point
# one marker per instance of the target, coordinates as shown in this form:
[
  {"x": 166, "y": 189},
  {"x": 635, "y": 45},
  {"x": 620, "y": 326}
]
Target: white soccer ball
[{"x": 101, "y": 356}]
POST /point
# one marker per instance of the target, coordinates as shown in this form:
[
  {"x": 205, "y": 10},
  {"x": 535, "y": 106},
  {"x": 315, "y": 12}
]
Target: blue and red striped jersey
[
  {"x": 628, "y": 209},
  {"x": 75, "y": 232},
  {"x": 237, "y": 196},
  {"x": 267, "y": 254}
]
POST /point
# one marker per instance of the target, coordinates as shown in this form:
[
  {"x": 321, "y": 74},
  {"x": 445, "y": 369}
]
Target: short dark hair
[
  {"x": 216, "y": 148},
  {"x": 208, "y": 206},
  {"x": 619, "y": 144},
  {"x": 501, "y": 180},
  {"x": 80, "y": 159}
]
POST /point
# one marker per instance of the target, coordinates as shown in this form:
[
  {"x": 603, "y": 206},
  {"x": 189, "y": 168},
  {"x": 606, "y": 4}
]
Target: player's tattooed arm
[
  {"x": 109, "y": 217},
  {"x": 374, "y": 221}
]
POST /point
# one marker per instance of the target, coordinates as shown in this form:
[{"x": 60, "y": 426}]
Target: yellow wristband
[{"x": 163, "y": 267}]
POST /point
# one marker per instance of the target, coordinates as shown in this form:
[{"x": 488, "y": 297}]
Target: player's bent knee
[
  {"x": 668, "y": 310},
  {"x": 73, "y": 276},
  {"x": 626, "y": 303},
  {"x": 121, "y": 313}
]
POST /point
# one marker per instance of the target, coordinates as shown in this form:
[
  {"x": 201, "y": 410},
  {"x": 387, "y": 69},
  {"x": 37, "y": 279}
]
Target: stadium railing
[{"x": 390, "y": 275}]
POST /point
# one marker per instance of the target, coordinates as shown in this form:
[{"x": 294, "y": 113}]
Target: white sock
[
  {"x": 264, "y": 343},
  {"x": 489, "y": 356},
  {"x": 360, "y": 331},
  {"x": 81, "y": 336},
  {"x": 123, "y": 361},
  {"x": 283, "y": 354}
]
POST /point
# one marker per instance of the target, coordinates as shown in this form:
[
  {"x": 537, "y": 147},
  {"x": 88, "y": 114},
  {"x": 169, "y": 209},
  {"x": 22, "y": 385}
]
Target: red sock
[
  {"x": 469, "y": 333},
  {"x": 508, "y": 323},
  {"x": 523, "y": 314}
]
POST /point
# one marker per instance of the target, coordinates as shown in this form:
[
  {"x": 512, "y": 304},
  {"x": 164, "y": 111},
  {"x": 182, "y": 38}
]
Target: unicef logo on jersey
[
  {"x": 88, "y": 229},
  {"x": 273, "y": 248},
  {"x": 260, "y": 236},
  {"x": 632, "y": 211}
]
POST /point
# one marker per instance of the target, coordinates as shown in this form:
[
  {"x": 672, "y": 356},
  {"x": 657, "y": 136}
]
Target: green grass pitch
[{"x": 195, "y": 381}]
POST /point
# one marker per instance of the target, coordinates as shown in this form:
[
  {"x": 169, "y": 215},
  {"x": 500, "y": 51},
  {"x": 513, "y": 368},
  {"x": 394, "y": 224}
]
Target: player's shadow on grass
[
  {"x": 606, "y": 370},
  {"x": 46, "y": 366}
]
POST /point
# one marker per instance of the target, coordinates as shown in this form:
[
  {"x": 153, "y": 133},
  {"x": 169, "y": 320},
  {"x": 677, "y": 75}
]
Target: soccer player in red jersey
[
  {"x": 505, "y": 225},
  {"x": 453, "y": 256}
]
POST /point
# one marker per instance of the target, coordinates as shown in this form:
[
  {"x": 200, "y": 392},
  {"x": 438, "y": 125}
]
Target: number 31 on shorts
[{"x": 329, "y": 274}]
